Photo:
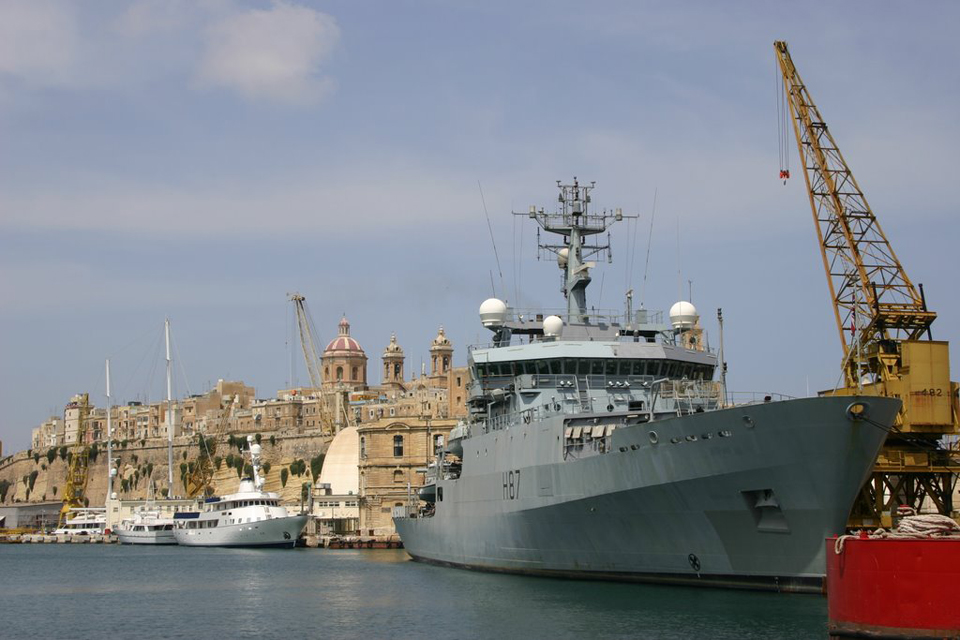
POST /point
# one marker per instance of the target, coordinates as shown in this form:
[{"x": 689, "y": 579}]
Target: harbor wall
[{"x": 34, "y": 476}]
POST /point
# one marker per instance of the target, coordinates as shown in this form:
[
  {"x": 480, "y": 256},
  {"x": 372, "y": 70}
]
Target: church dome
[{"x": 343, "y": 344}]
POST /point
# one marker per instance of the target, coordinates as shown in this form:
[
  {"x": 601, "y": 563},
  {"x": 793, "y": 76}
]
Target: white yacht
[
  {"x": 146, "y": 527},
  {"x": 83, "y": 522},
  {"x": 251, "y": 517}
]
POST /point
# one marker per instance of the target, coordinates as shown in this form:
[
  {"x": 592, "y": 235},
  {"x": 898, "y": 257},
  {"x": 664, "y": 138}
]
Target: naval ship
[{"x": 605, "y": 446}]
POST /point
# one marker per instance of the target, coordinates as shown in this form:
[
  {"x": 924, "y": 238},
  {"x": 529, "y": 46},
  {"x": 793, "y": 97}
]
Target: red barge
[{"x": 893, "y": 587}]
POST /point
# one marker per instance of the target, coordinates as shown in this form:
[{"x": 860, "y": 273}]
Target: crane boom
[
  {"x": 198, "y": 480},
  {"x": 307, "y": 339},
  {"x": 308, "y": 343},
  {"x": 885, "y": 316},
  {"x": 873, "y": 298}
]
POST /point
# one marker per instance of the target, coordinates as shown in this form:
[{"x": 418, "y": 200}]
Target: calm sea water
[{"x": 111, "y": 591}]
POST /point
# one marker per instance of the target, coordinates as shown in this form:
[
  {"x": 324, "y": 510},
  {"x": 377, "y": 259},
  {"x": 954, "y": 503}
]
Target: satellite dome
[
  {"x": 552, "y": 326},
  {"x": 255, "y": 449},
  {"x": 562, "y": 257},
  {"x": 493, "y": 313},
  {"x": 683, "y": 315}
]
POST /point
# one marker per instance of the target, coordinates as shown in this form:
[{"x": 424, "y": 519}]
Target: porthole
[
  {"x": 623, "y": 449},
  {"x": 747, "y": 420},
  {"x": 654, "y": 438},
  {"x": 609, "y": 407},
  {"x": 634, "y": 447},
  {"x": 676, "y": 440},
  {"x": 691, "y": 438},
  {"x": 706, "y": 436},
  {"x": 724, "y": 433}
]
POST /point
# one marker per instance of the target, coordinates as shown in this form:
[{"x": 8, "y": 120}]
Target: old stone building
[{"x": 394, "y": 454}]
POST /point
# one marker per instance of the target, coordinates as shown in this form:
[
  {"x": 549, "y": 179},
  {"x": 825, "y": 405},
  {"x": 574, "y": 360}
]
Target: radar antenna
[{"x": 574, "y": 222}]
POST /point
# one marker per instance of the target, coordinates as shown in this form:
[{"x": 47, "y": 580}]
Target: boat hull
[
  {"x": 739, "y": 497},
  {"x": 275, "y": 532},
  {"x": 145, "y": 537}
]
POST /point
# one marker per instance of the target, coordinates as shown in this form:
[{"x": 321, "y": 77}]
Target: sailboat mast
[
  {"x": 166, "y": 326},
  {"x": 109, "y": 437}
]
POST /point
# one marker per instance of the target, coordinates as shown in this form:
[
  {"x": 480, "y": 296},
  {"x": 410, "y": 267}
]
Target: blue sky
[{"x": 200, "y": 159}]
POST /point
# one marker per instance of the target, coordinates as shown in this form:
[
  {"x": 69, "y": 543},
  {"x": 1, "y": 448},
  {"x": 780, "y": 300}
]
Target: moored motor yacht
[{"x": 251, "y": 517}]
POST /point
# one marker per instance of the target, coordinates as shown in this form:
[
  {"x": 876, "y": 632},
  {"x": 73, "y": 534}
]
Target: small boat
[
  {"x": 84, "y": 522},
  {"x": 251, "y": 517},
  {"x": 148, "y": 526}
]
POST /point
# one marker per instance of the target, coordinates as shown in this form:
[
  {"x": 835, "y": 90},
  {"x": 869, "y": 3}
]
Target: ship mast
[
  {"x": 166, "y": 327},
  {"x": 574, "y": 222}
]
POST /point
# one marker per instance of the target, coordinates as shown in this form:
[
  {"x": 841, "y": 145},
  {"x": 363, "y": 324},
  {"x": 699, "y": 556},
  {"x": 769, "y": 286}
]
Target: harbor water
[{"x": 112, "y": 591}]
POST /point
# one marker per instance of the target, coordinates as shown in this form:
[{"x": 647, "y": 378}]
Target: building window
[
  {"x": 458, "y": 381},
  {"x": 398, "y": 476},
  {"x": 363, "y": 446},
  {"x": 356, "y": 375},
  {"x": 339, "y": 373},
  {"x": 398, "y": 446},
  {"x": 437, "y": 444}
]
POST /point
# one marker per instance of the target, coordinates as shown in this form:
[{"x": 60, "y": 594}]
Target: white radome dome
[
  {"x": 562, "y": 257},
  {"x": 552, "y": 326},
  {"x": 493, "y": 312},
  {"x": 255, "y": 449},
  {"x": 683, "y": 315}
]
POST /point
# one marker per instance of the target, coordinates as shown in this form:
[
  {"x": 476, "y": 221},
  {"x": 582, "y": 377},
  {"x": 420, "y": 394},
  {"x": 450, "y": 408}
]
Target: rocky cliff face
[{"x": 40, "y": 475}]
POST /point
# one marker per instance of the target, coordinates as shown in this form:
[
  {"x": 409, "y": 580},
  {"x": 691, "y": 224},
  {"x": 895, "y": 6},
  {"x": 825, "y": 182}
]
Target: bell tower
[
  {"x": 393, "y": 363},
  {"x": 441, "y": 354}
]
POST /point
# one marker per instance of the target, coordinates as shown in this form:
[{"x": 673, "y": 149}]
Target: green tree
[
  {"x": 33, "y": 478},
  {"x": 63, "y": 453},
  {"x": 258, "y": 438},
  {"x": 36, "y": 458},
  {"x": 216, "y": 462},
  {"x": 51, "y": 455},
  {"x": 316, "y": 465},
  {"x": 93, "y": 452},
  {"x": 273, "y": 441},
  {"x": 284, "y": 474},
  {"x": 266, "y": 468},
  {"x": 4, "y": 487}
]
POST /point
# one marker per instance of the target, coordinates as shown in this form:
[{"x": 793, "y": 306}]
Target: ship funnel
[
  {"x": 683, "y": 316},
  {"x": 493, "y": 313}
]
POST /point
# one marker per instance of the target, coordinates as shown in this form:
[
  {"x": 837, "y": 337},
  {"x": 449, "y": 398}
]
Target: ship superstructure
[{"x": 599, "y": 445}]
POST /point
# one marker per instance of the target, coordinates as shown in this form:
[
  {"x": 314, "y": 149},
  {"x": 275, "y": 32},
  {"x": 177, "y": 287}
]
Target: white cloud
[
  {"x": 38, "y": 41},
  {"x": 273, "y": 55}
]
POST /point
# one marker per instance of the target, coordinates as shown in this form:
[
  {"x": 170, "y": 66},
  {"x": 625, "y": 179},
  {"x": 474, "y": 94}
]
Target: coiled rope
[{"x": 932, "y": 525}]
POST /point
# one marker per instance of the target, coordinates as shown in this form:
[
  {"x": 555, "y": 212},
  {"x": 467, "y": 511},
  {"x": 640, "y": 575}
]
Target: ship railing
[{"x": 739, "y": 398}]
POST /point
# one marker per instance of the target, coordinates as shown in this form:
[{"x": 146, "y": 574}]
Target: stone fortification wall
[{"x": 39, "y": 475}]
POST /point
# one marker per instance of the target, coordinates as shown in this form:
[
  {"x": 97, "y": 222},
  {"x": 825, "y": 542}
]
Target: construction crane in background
[
  {"x": 73, "y": 492},
  {"x": 311, "y": 356},
  {"x": 198, "y": 481},
  {"x": 884, "y": 324}
]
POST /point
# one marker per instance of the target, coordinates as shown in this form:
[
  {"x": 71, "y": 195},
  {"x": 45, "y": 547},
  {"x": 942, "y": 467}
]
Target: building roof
[{"x": 341, "y": 465}]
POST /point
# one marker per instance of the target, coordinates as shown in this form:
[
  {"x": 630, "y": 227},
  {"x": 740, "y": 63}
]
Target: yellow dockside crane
[
  {"x": 199, "y": 481},
  {"x": 76, "y": 486},
  {"x": 884, "y": 325}
]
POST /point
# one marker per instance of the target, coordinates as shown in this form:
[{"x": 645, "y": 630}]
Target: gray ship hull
[{"x": 738, "y": 497}]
